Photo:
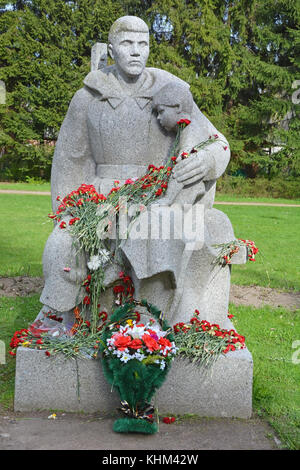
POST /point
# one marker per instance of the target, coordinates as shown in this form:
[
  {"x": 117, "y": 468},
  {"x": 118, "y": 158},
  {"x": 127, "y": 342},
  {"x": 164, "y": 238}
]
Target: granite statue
[{"x": 119, "y": 122}]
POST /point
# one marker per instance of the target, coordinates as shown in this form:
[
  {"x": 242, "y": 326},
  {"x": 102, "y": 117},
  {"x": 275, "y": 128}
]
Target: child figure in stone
[{"x": 172, "y": 103}]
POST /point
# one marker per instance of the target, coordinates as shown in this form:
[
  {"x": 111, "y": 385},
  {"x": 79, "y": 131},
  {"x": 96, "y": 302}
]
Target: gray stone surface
[
  {"x": 69, "y": 431},
  {"x": 64, "y": 270},
  {"x": 58, "y": 384},
  {"x": 98, "y": 56}
]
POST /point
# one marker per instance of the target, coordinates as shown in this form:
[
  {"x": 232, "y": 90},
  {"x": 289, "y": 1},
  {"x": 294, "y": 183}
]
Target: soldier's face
[{"x": 130, "y": 51}]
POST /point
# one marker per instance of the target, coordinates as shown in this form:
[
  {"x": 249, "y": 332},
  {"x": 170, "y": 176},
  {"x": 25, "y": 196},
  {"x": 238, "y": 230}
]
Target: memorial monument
[{"x": 114, "y": 129}]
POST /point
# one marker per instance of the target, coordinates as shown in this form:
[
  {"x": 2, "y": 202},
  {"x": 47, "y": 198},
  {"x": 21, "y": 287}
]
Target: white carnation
[{"x": 94, "y": 263}]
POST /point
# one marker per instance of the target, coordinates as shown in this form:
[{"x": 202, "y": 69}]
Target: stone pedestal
[{"x": 56, "y": 383}]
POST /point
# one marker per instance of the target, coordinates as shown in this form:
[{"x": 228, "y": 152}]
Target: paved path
[
  {"x": 227, "y": 203},
  {"x": 34, "y": 431},
  {"x": 255, "y": 204},
  {"x": 13, "y": 191}
]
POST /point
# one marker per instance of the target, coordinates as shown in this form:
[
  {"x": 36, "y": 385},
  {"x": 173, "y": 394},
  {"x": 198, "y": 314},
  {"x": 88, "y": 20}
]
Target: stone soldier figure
[{"x": 111, "y": 133}]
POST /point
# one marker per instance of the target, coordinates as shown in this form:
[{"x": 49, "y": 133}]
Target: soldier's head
[{"x": 129, "y": 45}]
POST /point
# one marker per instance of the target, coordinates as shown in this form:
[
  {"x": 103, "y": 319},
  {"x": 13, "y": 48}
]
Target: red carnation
[
  {"x": 72, "y": 221},
  {"x": 169, "y": 419},
  {"x": 122, "y": 342},
  {"x": 184, "y": 121},
  {"x": 103, "y": 315},
  {"x": 150, "y": 342},
  {"x": 164, "y": 342},
  {"x": 119, "y": 289},
  {"x": 136, "y": 344}
]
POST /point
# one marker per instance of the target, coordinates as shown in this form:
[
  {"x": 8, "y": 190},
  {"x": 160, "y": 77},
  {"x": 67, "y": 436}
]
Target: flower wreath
[{"x": 136, "y": 358}]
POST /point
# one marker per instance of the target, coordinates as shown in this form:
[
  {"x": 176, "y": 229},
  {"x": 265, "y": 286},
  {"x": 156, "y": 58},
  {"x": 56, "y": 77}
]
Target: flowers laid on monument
[
  {"x": 77, "y": 342},
  {"x": 136, "y": 358},
  {"x": 135, "y": 340},
  {"x": 203, "y": 342},
  {"x": 95, "y": 217},
  {"x": 227, "y": 250},
  {"x": 99, "y": 260}
]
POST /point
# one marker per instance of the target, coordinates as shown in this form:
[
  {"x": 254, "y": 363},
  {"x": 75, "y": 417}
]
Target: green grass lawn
[
  {"x": 15, "y": 313},
  {"x": 23, "y": 233},
  {"x": 270, "y": 334},
  {"x": 268, "y": 200},
  {"x": 26, "y": 186},
  {"x": 275, "y": 230}
]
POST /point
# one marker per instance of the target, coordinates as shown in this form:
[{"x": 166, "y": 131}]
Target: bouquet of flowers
[
  {"x": 227, "y": 250},
  {"x": 92, "y": 217},
  {"x": 203, "y": 342},
  {"x": 136, "y": 358}
]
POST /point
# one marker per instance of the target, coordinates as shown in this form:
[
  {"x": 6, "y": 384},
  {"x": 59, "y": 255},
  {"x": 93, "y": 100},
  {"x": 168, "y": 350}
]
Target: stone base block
[{"x": 57, "y": 383}]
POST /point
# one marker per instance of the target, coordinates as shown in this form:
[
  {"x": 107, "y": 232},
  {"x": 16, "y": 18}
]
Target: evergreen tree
[
  {"x": 45, "y": 48},
  {"x": 240, "y": 57}
]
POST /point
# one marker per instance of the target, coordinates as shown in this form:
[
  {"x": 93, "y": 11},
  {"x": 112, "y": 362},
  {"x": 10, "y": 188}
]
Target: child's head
[{"x": 173, "y": 102}]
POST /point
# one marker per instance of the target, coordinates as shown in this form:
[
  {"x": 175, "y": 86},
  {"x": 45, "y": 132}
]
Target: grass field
[
  {"x": 267, "y": 200},
  {"x": 25, "y": 186},
  {"x": 275, "y": 230},
  {"x": 23, "y": 233},
  {"x": 272, "y": 336}
]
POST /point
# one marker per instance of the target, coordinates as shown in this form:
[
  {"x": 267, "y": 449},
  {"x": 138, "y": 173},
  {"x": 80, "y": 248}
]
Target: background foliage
[{"x": 241, "y": 58}]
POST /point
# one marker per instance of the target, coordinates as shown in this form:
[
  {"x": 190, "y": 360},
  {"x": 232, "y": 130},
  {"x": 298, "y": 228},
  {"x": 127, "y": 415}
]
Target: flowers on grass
[{"x": 144, "y": 343}]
